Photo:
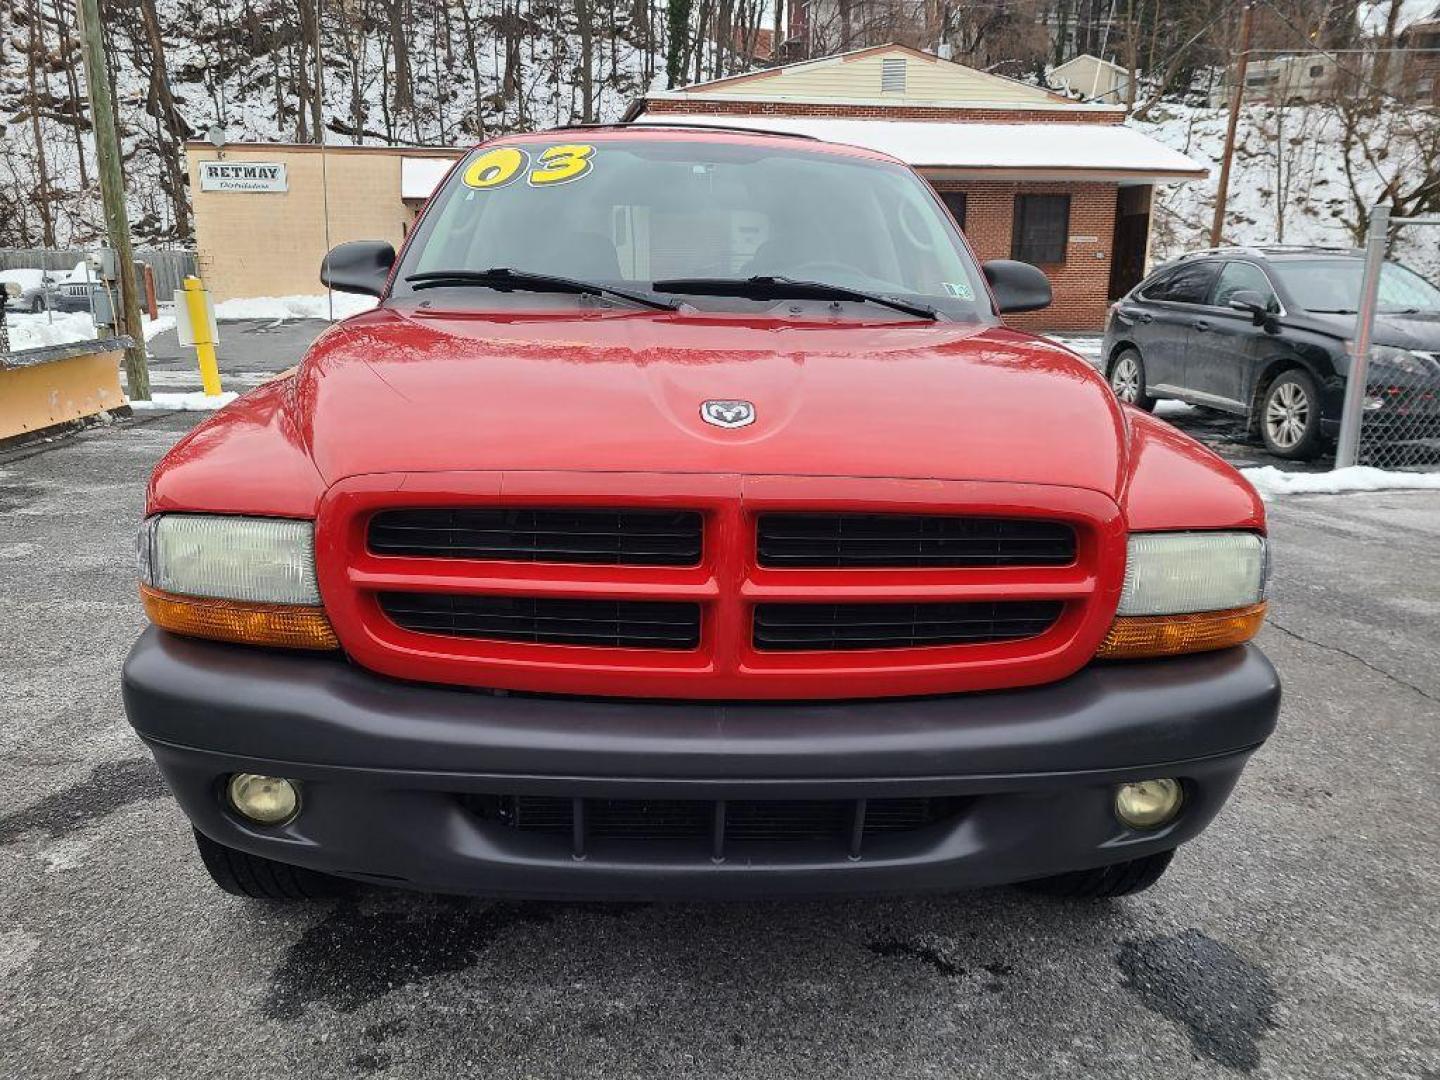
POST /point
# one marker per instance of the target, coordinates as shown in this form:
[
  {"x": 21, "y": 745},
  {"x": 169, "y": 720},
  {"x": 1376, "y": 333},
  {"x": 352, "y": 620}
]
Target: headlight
[
  {"x": 1189, "y": 592},
  {"x": 1404, "y": 360},
  {"x": 234, "y": 579}
]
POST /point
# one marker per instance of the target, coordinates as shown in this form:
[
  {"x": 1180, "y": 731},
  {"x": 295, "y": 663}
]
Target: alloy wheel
[
  {"x": 1287, "y": 415},
  {"x": 1125, "y": 380}
]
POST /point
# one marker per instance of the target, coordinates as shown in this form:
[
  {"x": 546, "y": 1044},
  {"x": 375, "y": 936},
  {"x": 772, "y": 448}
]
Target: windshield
[
  {"x": 1333, "y": 285},
  {"x": 630, "y": 212}
]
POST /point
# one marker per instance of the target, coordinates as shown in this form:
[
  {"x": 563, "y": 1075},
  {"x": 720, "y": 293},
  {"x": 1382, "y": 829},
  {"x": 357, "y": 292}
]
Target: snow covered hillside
[
  {"x": 1289, "y": 183},
  {"x": 470, "y": 69}
]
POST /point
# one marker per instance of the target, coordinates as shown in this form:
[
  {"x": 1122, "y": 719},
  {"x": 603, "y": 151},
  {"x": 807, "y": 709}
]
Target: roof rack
[
  {"x": 662, "y": 125},
  {"x": 1262, "y": 250}
]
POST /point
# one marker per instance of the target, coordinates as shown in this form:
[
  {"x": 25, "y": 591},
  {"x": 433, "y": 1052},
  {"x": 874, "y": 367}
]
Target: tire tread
[{"x": 241, "y": 874}]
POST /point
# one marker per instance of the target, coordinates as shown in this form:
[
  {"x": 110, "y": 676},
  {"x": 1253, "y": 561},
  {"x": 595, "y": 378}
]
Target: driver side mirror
[
  {"x": 361, "y": 266},
  {"x": 1250, "y": 302},
  {"x": 1017, "y": 286}
]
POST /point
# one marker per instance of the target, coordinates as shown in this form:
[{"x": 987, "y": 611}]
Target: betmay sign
[{"x": 243, "y": 176}]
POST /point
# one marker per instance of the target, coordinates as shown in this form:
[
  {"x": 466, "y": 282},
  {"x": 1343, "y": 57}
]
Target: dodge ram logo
[{"x": 728, "y": 414}]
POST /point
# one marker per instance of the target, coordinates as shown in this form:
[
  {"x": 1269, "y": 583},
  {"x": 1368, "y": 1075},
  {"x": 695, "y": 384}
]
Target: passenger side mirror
[
  {"x": 1017, "y": 286},
  {"x": 1252, "y": 302},
  {"x": 361, "y": 266}
]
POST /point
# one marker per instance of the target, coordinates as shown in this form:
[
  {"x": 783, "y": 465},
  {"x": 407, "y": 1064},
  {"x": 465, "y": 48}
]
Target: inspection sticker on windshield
[
  {"x": 553, "y": 165},
  {"x": 961, "y": 290}
]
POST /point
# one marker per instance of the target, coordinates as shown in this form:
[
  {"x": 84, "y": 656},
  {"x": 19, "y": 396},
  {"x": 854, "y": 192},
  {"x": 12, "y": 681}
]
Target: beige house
[
  {"x": 1091, "y": 79},
  {"x": 1284, "y": 80},
  {"x": 266, "y": 213}
]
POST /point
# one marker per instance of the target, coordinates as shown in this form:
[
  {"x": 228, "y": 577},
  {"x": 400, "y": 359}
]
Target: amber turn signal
[
  {"x": 285, "y": 626},
  {"x": 1133, "y": 637}
]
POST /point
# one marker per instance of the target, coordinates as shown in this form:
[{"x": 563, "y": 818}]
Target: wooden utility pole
[
  {"x": 112, "y": 193},
  {"x": 1217, "y": 227}
]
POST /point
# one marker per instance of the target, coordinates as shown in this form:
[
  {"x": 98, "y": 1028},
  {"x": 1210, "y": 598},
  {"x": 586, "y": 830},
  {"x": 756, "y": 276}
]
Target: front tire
[
  {"x": 1290, "y": 416},
  {"x": 1104, "y": 882},
  {"x": 37, "y": 306},
  {"x": 1127, "y": 380},
  {"x": 241, "y": 874}
]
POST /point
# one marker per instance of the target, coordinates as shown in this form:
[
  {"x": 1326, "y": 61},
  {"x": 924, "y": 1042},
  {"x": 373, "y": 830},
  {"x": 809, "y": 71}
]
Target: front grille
[
  {"x": 910, "y": 540},
  {"x": 793, "y": 627},
  {"x": 843, "y": 824},
  {"x": 77, "y": 290},
  {"x": 524, "y": 534},
  {"x": 629, "y": 624}
]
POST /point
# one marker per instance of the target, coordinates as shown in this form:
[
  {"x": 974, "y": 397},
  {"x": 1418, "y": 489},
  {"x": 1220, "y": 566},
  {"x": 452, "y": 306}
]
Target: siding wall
[
  {"x": 927, "y": 79},
  {"x": 270, "y": 243}
]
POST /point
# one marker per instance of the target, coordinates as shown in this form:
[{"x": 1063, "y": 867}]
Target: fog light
[
  {"x": 1148, "y": 804},
  {"x": 266, "y": 800}
]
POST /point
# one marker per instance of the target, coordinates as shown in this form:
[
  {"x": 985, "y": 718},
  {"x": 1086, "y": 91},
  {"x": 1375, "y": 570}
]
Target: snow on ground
[
  {"x": 65, "y": 327},
  {"x": 1271, "y": 482},
  {"x": 191, "y": 402},
  {"x": 1087, "y": 345},
  {"x": 294, "y": 307}
]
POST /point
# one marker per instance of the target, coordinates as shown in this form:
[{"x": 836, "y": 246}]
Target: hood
[
  {"x": 1420, "y": 331},
  {"x": 399, "y": 390}
]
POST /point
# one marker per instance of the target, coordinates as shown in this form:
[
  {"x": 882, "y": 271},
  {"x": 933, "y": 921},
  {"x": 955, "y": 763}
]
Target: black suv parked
[{"x": 1261, "y": 333}]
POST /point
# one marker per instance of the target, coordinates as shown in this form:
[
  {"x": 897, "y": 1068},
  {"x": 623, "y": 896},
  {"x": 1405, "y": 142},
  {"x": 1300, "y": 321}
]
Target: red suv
[{"x": 684, "y": 521}]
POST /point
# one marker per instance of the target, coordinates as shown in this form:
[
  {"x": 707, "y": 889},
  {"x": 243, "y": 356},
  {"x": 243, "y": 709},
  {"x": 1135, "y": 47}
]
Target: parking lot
[{"x": 1297, "y": 937}]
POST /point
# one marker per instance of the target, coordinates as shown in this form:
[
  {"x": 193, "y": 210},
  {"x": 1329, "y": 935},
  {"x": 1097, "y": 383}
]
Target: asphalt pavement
[{"x": 1298, "y": 937}]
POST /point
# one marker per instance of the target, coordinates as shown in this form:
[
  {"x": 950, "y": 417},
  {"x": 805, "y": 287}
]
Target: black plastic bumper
[{"x": 389, "y": 770}]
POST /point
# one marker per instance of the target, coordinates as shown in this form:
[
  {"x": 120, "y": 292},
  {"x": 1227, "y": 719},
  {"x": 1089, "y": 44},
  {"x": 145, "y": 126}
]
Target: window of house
[
  {"x": 1256, "y": 80},
  {"x": 1316, "y": 70},
  {"x": 1042, "y": 225},
  {"x": 955, "y": 202},
  {"x": 892, "y": 75}
]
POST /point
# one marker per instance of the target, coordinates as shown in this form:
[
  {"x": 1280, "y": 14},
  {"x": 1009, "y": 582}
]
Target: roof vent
[{"x": 892, "y": 75}]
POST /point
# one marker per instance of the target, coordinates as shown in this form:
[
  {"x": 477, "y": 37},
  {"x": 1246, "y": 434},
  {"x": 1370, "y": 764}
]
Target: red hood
[{"x": 407, "y": 391}]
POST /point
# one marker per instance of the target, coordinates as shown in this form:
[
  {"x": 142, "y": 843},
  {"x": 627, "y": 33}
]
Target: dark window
[
  {"x": 1188, "y": 284},
  {"x": 955, "y": 202},
  {"x": 1243, "y": 277},
  {"x": 1042, "y": 224},
  {"x": 1316, "y": 70}
]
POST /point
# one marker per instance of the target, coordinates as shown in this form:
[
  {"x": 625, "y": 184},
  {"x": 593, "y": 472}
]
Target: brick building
[{"x": 1027, "y": 174}]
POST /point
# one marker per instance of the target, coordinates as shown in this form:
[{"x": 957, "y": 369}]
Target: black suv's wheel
[
  {"x": 37, "y": 306},
  {"x": 1119, "y": 879},
  {"x": 1290, "y": 416},
  {"x": 241, "y": 874},
  {"x": 1127, "y": 379}
]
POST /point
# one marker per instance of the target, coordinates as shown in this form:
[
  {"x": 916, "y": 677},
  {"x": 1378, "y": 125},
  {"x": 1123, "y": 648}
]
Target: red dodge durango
[{"x": 685, "y": 522}]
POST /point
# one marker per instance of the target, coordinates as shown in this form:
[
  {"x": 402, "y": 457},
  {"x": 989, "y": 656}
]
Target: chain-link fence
[{"x": 1392, "y": 403}]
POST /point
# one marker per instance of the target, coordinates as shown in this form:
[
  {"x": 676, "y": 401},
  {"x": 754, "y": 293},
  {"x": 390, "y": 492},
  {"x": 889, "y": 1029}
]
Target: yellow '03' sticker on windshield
[{"x": 554, "y": 165}]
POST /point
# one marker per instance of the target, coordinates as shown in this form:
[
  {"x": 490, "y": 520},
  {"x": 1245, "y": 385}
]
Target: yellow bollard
[{"x": 204, "y": 346}]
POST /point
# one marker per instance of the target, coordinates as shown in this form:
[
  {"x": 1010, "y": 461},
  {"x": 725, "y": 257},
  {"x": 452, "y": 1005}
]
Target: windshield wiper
[
  {"x": 504, "y": 279},
  {"x": 1332, "y": 311},
  {"x": 766, "y": 287}
]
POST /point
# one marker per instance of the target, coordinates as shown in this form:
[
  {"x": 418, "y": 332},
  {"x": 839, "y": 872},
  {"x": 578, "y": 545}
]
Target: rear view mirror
[
  {"x": 1250, "y": 302},
  {"x": 1017, "y": 286},
  {"x": 361, "y": 266}
]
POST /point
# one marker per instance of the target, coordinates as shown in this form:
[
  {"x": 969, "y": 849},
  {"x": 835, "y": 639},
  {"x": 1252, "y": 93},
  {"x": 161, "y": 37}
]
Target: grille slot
[
  {"x": 523, "y": 534},
  {"x": 715, "y": 827},
  {"x": 834, "y": 627},
  {"x": 910, "y": 540},
  {"x": 629, "y": 624}
]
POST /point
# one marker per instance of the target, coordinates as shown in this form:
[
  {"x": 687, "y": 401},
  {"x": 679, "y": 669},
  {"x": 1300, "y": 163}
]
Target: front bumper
[{"x": 390, "y": 771}]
